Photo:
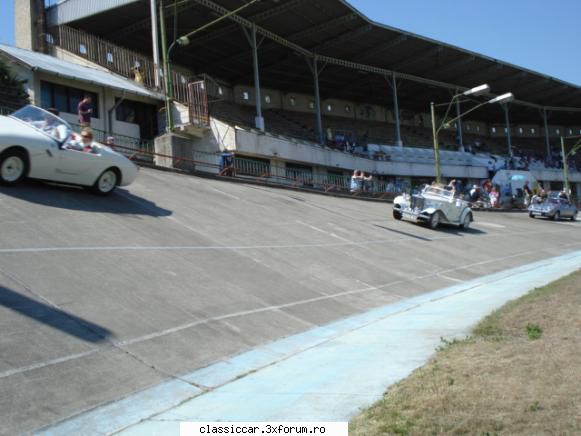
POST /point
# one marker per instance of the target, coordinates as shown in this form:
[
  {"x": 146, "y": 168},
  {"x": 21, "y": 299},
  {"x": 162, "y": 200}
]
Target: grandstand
[{"x": 337, "y": 91}]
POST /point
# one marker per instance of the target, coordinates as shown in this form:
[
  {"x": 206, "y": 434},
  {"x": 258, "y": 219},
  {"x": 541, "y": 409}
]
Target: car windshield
[
  {"x": 42, "y": 120},
  {"x": 438, "y": 191}
]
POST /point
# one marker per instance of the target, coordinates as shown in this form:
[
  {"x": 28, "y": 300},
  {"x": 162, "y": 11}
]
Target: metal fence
[{"x": 117, "y": 59}]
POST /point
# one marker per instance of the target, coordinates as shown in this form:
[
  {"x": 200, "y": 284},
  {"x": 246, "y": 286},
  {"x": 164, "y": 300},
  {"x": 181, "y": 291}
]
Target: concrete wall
[
  {"x": 25, "y": 17},
  {"x": 265, "y": 145}
]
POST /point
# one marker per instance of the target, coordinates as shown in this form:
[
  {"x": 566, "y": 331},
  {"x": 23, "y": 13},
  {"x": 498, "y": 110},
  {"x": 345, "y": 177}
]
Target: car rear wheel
[
  {"x": 557, "y": 216},
  {"x": 106, "y": 182},
  {"x": 466, "y": 223},
  {"x": 434, "y": 220},
  {"x": 13, "y": 167}
]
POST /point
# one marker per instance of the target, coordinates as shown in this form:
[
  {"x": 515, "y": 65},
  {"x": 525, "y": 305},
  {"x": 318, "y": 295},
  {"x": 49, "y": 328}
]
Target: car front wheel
[
  {"x": 397, "y": 214},
  {"x": 434, "y": 220},
  {"x": 532, "y": 215},
  {"x": 13, "y": 167},
  {"x": 106, "y": 182}
]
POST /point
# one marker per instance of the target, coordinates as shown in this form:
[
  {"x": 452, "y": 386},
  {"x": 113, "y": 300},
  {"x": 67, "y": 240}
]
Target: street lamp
[
  {"x": 182, "y": 41},
  {"x": 478, "y": 90},
  {"x": 576, "y": 146}
]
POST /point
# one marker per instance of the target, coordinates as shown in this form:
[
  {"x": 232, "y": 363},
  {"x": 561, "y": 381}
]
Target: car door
[
  {"x": 43, "y": 159},
  {"x": 78, "y": 167},
  {"x": 566, "y": 209}
]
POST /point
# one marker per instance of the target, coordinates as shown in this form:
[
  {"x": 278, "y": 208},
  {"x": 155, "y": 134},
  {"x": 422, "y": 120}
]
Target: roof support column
[
  {"x": 155, "y": 44},
  {"x": 259, "y": 120},
  {"x": 393, "y": 86},
  {"x": 168, "y": 88},
  {"x": 549, "y": 155},
  {"x": 315, "y": 69},
  {"x": 459, "y": 131},
  {"x": 507, "y": 122}
]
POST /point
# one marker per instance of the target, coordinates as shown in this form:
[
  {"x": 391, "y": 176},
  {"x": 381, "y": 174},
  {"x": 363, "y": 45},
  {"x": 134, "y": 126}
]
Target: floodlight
[
  {"x": 183, "y": 40},
  {"x": 504, "y": 98},
  {"x": 479, "y": 90}
]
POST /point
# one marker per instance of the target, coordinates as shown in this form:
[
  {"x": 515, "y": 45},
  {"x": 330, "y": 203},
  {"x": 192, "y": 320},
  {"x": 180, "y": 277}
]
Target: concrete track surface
[{"x": 104, "y": 297}]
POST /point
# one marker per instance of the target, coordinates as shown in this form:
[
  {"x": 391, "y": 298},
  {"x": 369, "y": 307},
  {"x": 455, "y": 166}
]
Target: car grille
[{"x": 417, "y": 202}]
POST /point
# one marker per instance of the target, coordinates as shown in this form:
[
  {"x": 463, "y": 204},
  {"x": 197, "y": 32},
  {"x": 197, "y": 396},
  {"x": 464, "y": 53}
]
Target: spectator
[
  {"x": 356, "y": 181},
  {"x": 137, "y": 74},
  {"x": 110, "y": 141},
  {"x": 227, "y": 167},
  {"x": 528, "y": 193},
  {"x": 494, "y": 195},
  {"x": 85, "y": 109},
  {"x": 367, "y": 182},
  {"x": 475, "y": 193}
]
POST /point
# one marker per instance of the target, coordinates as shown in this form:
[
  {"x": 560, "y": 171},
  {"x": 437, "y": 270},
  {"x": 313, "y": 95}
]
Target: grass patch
[{"x": 517, "y": 374}]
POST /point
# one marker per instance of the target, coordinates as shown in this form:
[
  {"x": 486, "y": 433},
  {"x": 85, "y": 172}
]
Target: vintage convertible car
[
  {"x": 37, "y": 144},
  {"x": 553, "y": 207},
  {"x": 433, "y": 205}
]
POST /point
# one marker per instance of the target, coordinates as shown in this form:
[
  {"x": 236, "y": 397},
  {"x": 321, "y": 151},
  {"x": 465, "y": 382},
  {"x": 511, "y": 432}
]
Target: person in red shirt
[{"x": 85, "y": 109}]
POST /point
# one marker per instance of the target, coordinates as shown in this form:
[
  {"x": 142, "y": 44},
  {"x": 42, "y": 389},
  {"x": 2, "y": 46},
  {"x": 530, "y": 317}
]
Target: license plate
[{"x": 410, "y": 216}]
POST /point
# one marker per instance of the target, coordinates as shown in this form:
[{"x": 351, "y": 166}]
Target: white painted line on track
[
  {"x": 40, "y": 365},
  {"x": 487, "y": 224},
  {"x": 259, "y": 247}
]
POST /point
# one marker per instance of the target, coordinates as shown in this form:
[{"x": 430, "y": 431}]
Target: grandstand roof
[
  {"x": 62, "y": 68},
  {"x": 334, "y": 29}
]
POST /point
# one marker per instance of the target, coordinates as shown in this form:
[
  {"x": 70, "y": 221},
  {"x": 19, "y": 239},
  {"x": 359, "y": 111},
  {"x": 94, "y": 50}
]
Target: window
[
  {"x": 220, "y": 90},
  {"x": 142, "y": 114},
  {"x": 533, "y": 131},
  {"x": 311, "y": 104},
  {"x": 329, "y": 108},
  {"x": 267, "y": 99},
  {"x": 347, "y": 108},
  {"x": 110, "y": 58},
  {"x": 478, "y": 128},
  {"x": 493, "y": 130},
  {"x": 558, "y": 131},
  {"x": 505, "y": 130},
  {"x": 570, "y": 131},
  {"x": 292, "y": 101},
  {"x": 468, "y": 127},
  {"x": 83, "y": 49},
  {"x": 520, "y": 130},
  {"x": 64, "y": 98},
  {"x": 245, "y": 96}
]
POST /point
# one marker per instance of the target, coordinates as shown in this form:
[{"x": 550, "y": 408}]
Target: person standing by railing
[{"x": 85, "y": 109}]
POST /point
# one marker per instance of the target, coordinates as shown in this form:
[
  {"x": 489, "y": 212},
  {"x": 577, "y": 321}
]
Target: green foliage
[
  {"x": 12, "y": 92},
  {"x": 534, "y": 331}
]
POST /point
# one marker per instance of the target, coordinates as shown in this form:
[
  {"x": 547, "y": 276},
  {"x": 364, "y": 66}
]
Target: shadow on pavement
[
  {"x": 75, "y": 198},
  {"x": 52, "y": 317}
]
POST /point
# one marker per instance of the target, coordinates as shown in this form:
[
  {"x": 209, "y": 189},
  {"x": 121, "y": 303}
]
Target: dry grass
[{"x": 500, "y": 381}]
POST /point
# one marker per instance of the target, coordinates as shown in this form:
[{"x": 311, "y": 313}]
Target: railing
[{"x": 117, "y": 59}]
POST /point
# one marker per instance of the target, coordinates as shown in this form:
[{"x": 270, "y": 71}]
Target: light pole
[
  {"x": 565, "y": 156},
  {"x": 479, "y": 90},
  {"x": 183, "y": 41}
]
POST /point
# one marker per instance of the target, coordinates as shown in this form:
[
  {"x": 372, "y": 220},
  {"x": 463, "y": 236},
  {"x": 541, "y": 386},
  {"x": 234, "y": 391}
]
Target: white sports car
[{"x": 37, "y": 144}]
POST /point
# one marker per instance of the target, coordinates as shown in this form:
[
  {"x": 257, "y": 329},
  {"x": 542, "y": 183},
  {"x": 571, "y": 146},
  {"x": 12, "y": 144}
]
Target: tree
[{"x": 12, "y": 92}]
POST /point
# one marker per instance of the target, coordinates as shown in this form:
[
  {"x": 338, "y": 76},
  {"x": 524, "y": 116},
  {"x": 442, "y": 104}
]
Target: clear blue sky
[{"x": 540, "y": 35}]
